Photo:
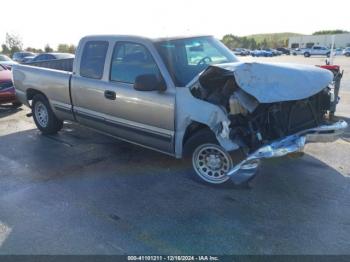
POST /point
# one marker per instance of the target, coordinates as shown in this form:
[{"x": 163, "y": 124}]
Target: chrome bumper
[{"x": 290, "y": 144}]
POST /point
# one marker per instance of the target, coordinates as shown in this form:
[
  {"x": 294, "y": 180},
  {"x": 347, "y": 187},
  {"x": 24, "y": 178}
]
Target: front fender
[{"x": 189, "y": 109}]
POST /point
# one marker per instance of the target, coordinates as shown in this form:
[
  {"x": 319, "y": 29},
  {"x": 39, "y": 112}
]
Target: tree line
[
  {"x": 330, "y": 32},
  {"x": 255, "y": 42},
  {"x": 13, "y": 43}
]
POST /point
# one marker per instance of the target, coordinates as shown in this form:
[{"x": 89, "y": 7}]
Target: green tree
[
  {"x": 63, "y": 48},
  {"x": 13, "y": 43},
  {"x": 72, "y": 49},
  {"x": 34, "y": 50},
  {"x": 330, "y": 32},
  {"x": 231, "y": 41},
  {"x": 5, "y": 49},
  {"x": 48, "y": 49},
  {"x": 264, "y": 44}
]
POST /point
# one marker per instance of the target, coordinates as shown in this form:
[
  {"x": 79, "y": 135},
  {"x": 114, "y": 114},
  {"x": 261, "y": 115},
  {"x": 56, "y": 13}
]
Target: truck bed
[{"x": 55, "y": 84}]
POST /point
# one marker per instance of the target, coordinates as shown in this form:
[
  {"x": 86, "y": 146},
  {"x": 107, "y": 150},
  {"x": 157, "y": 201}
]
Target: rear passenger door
[{"x": 87, "y": 86}]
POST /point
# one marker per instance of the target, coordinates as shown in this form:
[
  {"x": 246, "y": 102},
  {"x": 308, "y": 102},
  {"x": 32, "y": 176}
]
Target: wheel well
[
  {"x": 32, "y": 92},
  {"x": 191, "y": 129}
]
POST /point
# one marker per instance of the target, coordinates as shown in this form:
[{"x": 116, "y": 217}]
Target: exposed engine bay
[{"x": 254, "y": 123}]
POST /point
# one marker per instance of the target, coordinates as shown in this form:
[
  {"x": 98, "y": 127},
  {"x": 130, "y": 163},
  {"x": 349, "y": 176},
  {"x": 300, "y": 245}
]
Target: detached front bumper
[{"x": 290, "y": 144}]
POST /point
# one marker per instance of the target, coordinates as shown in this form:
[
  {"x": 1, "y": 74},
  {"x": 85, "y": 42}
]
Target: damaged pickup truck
[{"x": 186, "y": 97}]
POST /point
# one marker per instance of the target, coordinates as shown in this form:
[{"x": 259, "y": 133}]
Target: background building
[{"x": 307, "y": 41}]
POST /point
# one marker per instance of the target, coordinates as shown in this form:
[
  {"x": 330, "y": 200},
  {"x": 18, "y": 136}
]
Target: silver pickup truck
[{"x": 186, "y": 97}]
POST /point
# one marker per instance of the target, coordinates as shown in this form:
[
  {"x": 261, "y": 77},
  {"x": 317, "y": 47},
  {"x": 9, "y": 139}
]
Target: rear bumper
[{"x": 290, "y": 144}]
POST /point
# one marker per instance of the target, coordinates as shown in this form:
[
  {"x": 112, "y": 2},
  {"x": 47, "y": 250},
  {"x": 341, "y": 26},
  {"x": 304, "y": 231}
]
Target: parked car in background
[
  {"x": 241, "y": 52},
  {"x": 297, "y": 51},
  {"x": 7, "y": 90},
  {"x": 220, "y": 114},
  {"x": 27, "y": 59},
  {"x": 346, "y": 52},
  {"x": 273, "y": 52},
  {"x": 261, "y": 53},
  {"x": 266, "y": 53},
  {"x": 316, "y": 50},
  {"x": 338, "y": 51},
  {"x": 6, "y": 61},
  {"x": 247, "y": 51},
  {"x": 51, "y": 56},
  {"x": 284, "y": 50},
  {"x": 19, "y": 56},
  {"x": 255, "y": 53}
]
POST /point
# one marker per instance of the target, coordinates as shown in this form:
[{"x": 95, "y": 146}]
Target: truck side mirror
[{"x": 149, "y": 82}]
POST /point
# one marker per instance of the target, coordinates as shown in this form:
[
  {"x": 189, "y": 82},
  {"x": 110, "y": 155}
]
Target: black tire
[
  {"x": 16, "y": 104},
  {"x": 47, "y": 125},
  {"x": 306, "y": 54},
  {"x": 328, "y": 54},
  {"x": 206, "y": 138},
  {"x": 347, "y": 54}
]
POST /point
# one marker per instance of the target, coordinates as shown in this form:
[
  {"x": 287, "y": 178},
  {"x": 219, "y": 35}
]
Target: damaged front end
[{"x": 270, "y": 110}]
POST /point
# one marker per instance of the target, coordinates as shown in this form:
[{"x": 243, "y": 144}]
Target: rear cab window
[{"x": 93, "y": 59}]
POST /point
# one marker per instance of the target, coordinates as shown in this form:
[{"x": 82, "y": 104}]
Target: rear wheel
[
  {"x": 44, "y": 118},
  {"x": 306, "y": 54},
  {"x": 210, "y": 161}
]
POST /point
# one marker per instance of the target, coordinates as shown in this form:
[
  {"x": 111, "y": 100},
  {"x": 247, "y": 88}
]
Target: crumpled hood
[{"x": 273, "y": 82}]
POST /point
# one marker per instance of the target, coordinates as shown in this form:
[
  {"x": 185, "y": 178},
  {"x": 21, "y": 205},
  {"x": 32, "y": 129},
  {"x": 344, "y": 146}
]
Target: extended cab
[{"x": 186, "y": 97}]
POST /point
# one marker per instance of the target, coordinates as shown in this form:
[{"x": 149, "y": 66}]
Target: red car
[{"x": 7, "y": 90}]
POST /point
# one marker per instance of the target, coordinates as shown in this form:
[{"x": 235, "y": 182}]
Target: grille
[{"x": 291, "y": 117}]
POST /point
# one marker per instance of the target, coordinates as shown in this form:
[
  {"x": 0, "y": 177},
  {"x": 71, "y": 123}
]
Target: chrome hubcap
[
  {"x": 41, "y": 114},
  {"x": 211, "y": 163}
]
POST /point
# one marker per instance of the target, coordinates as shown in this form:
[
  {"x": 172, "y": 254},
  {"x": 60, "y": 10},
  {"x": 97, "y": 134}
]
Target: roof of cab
[{"x": 136, "y": 37}]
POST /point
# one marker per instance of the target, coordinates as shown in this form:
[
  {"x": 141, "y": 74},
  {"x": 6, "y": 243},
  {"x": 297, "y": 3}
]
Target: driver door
[{"x": 143, "y": 117}]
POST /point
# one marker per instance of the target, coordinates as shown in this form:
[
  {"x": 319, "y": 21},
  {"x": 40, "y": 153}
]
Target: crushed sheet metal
[
  {"x": 189, "y": 108},
  {"x": 273, "y": 82},
  {"x": 290, "y": 144},
  {"x": 247, "y": 101}
]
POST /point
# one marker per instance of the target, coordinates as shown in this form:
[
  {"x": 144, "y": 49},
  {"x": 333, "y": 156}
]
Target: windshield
[
  {"x": 4, "y": 58},
  {"x": 186, "y": 58}
]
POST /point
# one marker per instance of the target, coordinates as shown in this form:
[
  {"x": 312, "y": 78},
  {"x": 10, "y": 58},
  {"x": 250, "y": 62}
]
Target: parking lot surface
[{"x": 80, "y": 192}]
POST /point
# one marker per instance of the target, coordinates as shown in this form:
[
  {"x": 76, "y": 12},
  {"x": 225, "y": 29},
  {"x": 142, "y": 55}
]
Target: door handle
[{"x": 110, "y": 95}]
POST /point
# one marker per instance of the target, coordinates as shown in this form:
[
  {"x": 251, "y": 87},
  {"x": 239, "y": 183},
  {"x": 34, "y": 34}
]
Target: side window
[
  {"x": 131, "y": 60},
  {"x": 50, "y": 57},
  {"x": 40, "y": 58},
  {"x": 93, "y": 59}
]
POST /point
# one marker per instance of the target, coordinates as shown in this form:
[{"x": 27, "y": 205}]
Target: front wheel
[
  {"x": 44, "y": 117},
  {"x": 210, "y": 161},
  {"x": 306, "y": 54}
]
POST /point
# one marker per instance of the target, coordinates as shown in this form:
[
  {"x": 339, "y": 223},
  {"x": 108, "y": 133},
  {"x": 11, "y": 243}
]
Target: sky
[{"x": 41, "y": 22}]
